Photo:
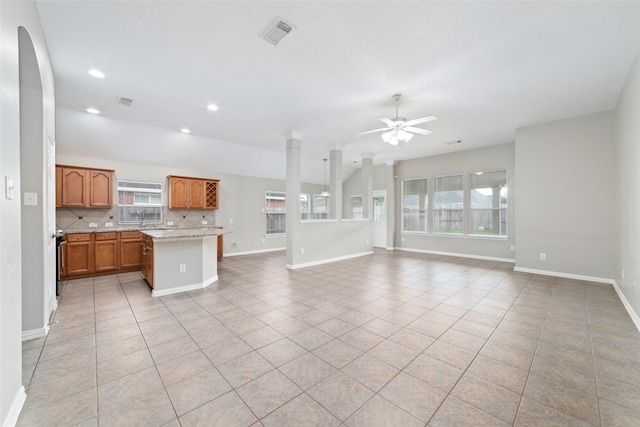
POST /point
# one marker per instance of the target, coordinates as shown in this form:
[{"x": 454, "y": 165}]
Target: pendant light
[{"x": 325, "y": 193}]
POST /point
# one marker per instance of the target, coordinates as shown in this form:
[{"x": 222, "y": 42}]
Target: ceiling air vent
[
  {"x": 276, "y": 31},
  {"x": 125, "y": 101}
]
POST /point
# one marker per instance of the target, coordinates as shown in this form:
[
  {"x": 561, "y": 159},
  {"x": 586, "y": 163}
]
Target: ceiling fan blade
[
  {"x": 420, "y": 120},
  {"x": 417, "y": 130},
  {"x": 387, "y": 121},
  {"x": 372, "y": 131}
]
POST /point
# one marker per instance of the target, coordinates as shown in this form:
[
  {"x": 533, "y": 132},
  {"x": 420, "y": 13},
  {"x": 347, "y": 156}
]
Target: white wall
[
  {"x": 565, "y": 200},
  {"x": 12, "y": 16},
  {"x": 465, "y": 162},
  {"x": 352, "y": 186},
  {"x": 627, "y": 139}
]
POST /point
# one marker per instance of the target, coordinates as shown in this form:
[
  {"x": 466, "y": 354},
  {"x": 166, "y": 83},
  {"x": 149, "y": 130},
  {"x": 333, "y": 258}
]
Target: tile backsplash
[{"x": 78, "y": 219}]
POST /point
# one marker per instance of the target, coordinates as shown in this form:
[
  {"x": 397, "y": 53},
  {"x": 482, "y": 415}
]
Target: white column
[
  {"x": 294, "y": 143},
  {"x": 335, "y": 187},
  {"x": 367, "y": 188},
  {"x": 390, "y": 181}
]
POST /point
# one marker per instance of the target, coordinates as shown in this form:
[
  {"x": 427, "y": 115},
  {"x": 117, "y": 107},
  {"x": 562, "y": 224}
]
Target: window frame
[
  {"x": 426, "y": 209},
  {"x": 503, "y": 212},
  {"x": 143, "y": 187},
  {"x": 435, "y": 212},
  {"x": 282, "y": 212},
  {"x": 359, "y": 215}
]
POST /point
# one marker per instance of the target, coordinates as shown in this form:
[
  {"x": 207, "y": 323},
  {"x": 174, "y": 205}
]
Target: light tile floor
[{"x": 394, "y": 339}]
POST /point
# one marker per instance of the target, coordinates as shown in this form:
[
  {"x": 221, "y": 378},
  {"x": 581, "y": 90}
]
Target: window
[
  {"x": 415, "y": 201},
  {"x": 276, "y": 212},
  {"x": 488, "y": 201},
  {"x": 320, "y": 207},
  {"x": 305, "y": 206},
  {"x": 356, "y": 207},
  {"x": 448, "y": 204},
  {"x": 139, "y": 202}
]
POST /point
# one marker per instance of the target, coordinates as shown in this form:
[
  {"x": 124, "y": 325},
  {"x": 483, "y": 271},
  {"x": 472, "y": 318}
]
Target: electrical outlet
[
  {"x": 302, "y": 251},
  {"x": 169, "y": 222},
  {"x": 543, "y": 256},
  {"x": 513, "y": 248},
  {"x": 183, "y": 268},
  {"x": 93, "y": 224},
  {"x": 263, "y": 240},
  {"x": 231, "y": 221},
  {"x": 234, "y": 245},
  {"x": 205, "y": 222},
  {"x": 108, "y": 224},
  {"x": 402, "y": 239}
]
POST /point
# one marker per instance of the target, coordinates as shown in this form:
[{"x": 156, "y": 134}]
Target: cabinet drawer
[
  {"x": 106, "y": 236},
  {"x": 130, "y": 235},
  {"x": 80, "y": 237}
]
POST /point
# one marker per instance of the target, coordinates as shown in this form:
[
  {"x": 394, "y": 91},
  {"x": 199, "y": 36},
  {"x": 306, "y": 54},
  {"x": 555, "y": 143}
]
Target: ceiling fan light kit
[{"x": 400, "y": 129}]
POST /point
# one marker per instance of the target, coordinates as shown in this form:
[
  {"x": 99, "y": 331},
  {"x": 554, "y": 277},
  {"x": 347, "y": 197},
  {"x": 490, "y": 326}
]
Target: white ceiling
[{"x": 484, "y": 68}]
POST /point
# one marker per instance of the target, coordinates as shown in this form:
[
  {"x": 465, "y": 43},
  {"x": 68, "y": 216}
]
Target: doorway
[{"x": 380, "y": 219}]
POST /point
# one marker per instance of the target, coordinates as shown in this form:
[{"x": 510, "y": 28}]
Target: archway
[{"x": 35, "y": 198}]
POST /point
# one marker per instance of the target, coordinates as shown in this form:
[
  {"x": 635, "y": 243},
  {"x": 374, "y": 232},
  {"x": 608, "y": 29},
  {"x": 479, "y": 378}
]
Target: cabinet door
[
  {"x": 100, "y": 189},
  {"x": 196, "y": 193},
  {"x": 130, "y": 253},
  {"x": 78, "y": 258},
  {"x": 75, "y": 184},
  {"x": 106, "y": 255},
  {"x": 58, "y": 186},
  {"x": 178, "y": 193},
  {"x": 211, "y": 194}
]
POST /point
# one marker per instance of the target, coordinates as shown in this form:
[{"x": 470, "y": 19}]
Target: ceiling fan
[{"x": 400, "y": 129}]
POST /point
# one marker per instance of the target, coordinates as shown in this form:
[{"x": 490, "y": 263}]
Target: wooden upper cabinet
[
  {"x": 82, "y": 187},
  {"x": 101, "y": 189},
  {"x": 178, "y": 192},
  {"x": 196, "y": 193},
  {"x": 192, "y": 193},
  {"x": 75, "y": 183}
]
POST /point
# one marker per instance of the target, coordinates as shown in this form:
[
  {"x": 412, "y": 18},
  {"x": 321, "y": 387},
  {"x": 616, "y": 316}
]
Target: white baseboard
[
  {"x": 185, "y": 288},
  {"x": 564, "y": 275},
  {"x": 328, "y": 260},
  {"x": 16, "y": 407},
  {"x": 390, "y": 248},
  {"x": 35, "y": 333},
  {"x": 260, "y": 251},
  {"x": 634, "y": 316},
  {"x": 454, "y": 254}
]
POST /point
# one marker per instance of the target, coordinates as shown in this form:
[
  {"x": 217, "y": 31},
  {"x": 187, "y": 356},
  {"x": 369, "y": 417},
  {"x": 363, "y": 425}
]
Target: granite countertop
[
  {"x": 182, "y": 233},
  {"x": 219, "y": 230}
]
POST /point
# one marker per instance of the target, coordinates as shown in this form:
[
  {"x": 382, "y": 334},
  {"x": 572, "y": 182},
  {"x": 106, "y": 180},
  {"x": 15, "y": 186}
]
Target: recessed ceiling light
[
  {"x": 96, "y": 73},
  {"x": 212, "y": 107},
  {"x": 93, "y": 111},
  {"x": 185, "y": 130}
]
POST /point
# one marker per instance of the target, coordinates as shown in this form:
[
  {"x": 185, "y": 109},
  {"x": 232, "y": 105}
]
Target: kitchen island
[{"x": 181, "y": 259}]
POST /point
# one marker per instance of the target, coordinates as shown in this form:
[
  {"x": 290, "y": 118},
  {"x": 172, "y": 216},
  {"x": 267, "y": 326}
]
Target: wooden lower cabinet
[
  {"x": 93, "y": 254},
  {"x": 106, "y": 252},
  {"x": 130, "y": 250},
  {"x": 78, "y": 255},
  {"x": 147, "y": 259}
]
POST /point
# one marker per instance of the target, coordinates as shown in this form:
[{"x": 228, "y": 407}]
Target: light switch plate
[
  {"x": 8, "y": 181},
  {"x": 30, "y": 199}
]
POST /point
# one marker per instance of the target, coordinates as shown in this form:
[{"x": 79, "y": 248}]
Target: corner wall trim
[
  {"x": 564, "y": 275},
  {"x": 486, "y": 258},
  {"x": 185, "y": 288},
  {"x": 634, "y": 316},
  {"x": 328, "y": 260},
  {"x": 16, "y": 407},
  {"x": 261, "y": 251},
  {"x": 35, "y": 333}
]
